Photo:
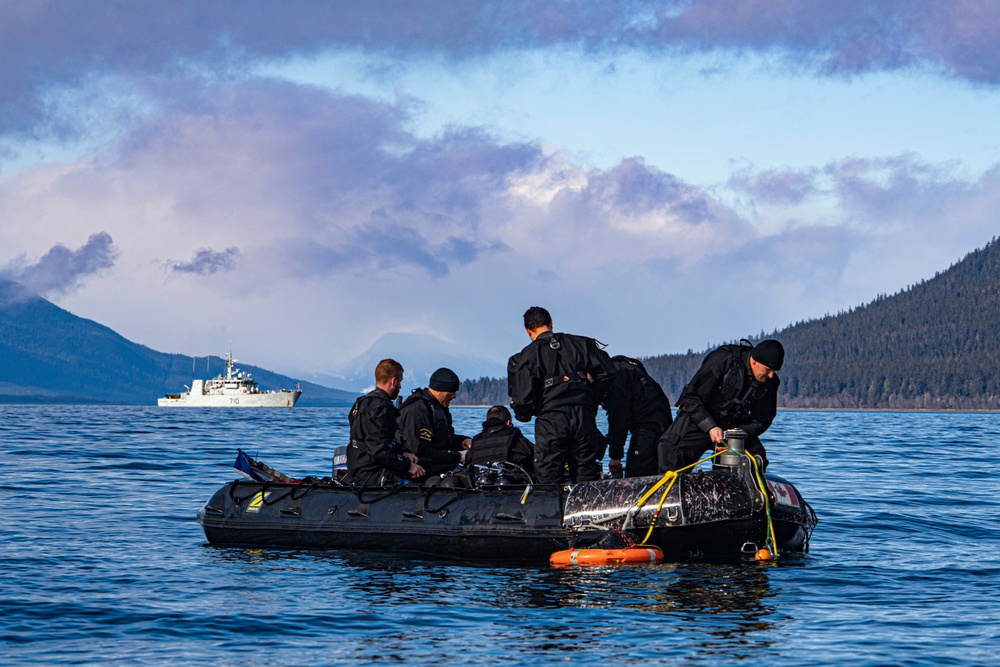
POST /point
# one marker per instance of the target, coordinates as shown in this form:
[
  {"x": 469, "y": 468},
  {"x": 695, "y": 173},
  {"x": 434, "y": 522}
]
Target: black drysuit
[
  {"x": 722, "y": 393},
  {"x": 425, "y": 429},
  {"x": 548, "y": 380},
  {"x": 373, "y": 458},
  {"x": 636, "y": 405},
  {"x": 500, "y": 441}
]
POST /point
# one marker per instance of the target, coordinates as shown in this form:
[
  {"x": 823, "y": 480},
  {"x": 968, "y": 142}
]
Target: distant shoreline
[
  {"x": 6, "y": 401},
  {"x": 977, "y": 410},
  {"x": 780, "y": 408}
]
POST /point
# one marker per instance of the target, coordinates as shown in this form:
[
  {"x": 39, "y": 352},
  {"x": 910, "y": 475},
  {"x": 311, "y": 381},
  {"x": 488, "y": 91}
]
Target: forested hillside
[{"x": 935, "y": 345}]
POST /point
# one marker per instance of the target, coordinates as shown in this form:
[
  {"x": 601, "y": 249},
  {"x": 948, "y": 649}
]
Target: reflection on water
[{"x": 727, "y": 606}]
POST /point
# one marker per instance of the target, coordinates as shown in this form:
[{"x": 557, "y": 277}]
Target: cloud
[
  {"x": 872, "y": 225},
  {"x": 62, "y": 270},
  {"x": 207, "y": 261},
  {"x": 956, "y": 38},
  {"x": 897, "y": 189},
  {"x": 629, "y": 210},
  {"x": 308, "y": 182},
  {"x": 778, "y": 186},
  {"x": 901, "y": 189},
  {"x": 49, "y": 47},
  {"x": 296, "y": 182},
  {"x": 328, "y": 211}
]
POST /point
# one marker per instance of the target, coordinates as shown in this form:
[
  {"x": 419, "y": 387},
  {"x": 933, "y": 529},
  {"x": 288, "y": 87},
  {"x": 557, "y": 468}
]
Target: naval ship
[{"x": 235, "y": 389}]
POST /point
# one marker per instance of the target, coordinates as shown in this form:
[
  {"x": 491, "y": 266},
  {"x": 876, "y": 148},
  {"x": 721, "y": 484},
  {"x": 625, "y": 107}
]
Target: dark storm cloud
[
  {"x": 390, "y": 244},
  {"x": 46, "y": 44},
  {"x": 344, "y": 180},
  {"x": 456, "y": 170},
  {"x": 207, "y": 261},
  {"x": 957, "y": 37},
  {"x": 383, "y": 246},
  {"x": 61, "y": 270}
]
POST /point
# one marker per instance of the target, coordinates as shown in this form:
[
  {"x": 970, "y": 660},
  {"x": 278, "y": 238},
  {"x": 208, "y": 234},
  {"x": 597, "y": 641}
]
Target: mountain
[
  {"x": 48, "y": 355},
  {"x": 934, "y": 345},
  {"x": 420, "y": 355}
]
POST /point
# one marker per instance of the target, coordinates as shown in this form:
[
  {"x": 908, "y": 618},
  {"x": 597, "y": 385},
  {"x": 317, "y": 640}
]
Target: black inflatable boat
[{"x": 495, "y": 514}]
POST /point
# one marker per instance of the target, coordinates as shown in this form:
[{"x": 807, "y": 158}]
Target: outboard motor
[
  {"x": 339, "y": 459},
  {"x": 736, "y": 441}
]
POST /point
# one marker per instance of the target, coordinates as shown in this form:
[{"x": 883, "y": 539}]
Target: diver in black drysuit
[
  {"x": 373, "y": 458},
  {"x": 425, "y": 429},
  {"x": 548, "y": 380},
  {"x": 635, "y": 405},
  {"x": 724, "y": 393},
  {"x": 501, "y": 441}
]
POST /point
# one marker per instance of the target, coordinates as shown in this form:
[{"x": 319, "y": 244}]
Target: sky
[{"x": 304, "y": 179}]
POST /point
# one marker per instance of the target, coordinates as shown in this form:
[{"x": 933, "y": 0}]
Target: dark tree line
[
  {"x": 934, "y": 345},
  {"x": 483, "y": 391}
]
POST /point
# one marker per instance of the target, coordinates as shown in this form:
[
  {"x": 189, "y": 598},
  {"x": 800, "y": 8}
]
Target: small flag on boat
[
  {"x": 244, "y": 467},
  {"x": 257, "y": 471}
]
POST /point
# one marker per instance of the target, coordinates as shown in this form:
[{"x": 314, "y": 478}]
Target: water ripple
[{"x": 103, "y": 562}]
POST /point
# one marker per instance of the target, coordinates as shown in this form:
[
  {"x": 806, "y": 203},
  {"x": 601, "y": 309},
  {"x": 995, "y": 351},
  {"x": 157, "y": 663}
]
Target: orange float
[{"x": 629, "y": 556}]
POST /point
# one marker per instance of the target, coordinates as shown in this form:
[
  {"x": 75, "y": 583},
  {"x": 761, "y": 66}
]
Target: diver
[
  {"x": 736, "y": 387},
  {"x": 373, "y": 457},
  {"x": 425, "y": 424},
  {"x": 636, "y": 406},
  {"x": 501, "y": 441},
  {"x": 560, "y": 379}
]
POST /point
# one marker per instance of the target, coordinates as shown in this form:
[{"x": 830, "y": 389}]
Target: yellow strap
[
  {"x": 770, "y": 524},
  {"x": 669, "y": 478},
  {"x": 670, "y": 475}
]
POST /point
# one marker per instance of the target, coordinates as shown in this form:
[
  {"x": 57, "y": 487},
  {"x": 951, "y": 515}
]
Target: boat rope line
[
  {"x": 307, "y": 485},
  {"x": 360, "y": 490},
  {"x": 812, "y": 526},
  {"x": 263, "y": 491},
  {"x": 459, "y": 493},
  {"x": 624, "y": 537}
]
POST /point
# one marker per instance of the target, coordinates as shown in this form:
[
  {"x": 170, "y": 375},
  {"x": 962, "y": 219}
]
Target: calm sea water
[{"x": 102, "y": 561}]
